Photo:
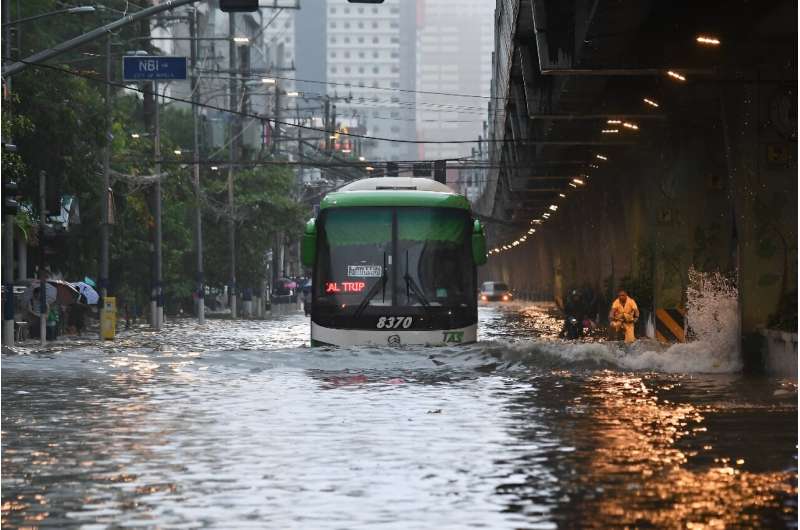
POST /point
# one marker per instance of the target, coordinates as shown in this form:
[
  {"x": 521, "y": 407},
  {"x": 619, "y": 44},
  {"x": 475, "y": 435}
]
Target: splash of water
[
  {"x": 713, "y": 347},
  {"x": 712, "y": 304}
]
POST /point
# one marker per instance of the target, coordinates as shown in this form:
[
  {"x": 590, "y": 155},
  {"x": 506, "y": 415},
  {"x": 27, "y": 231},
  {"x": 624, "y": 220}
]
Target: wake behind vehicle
[
  {"x": 495, "y": 292},
  {"x": 394, "y": 262}
]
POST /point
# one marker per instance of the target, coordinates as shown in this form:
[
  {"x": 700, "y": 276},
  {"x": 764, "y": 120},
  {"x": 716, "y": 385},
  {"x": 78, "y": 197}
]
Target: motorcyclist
[
  {"x": 573, "y": 313},
  {"x": 623, "y": 317}
]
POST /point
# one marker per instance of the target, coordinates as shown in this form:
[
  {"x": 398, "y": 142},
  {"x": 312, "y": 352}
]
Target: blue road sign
[{"x": 150, "y": 67}]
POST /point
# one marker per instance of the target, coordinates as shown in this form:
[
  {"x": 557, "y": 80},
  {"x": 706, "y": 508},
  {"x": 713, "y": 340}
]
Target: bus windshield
[{"x": 402, "y": 256}]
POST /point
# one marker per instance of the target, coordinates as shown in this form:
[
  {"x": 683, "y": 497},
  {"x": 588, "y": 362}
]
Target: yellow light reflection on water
[{"x": 637, "y": 435}]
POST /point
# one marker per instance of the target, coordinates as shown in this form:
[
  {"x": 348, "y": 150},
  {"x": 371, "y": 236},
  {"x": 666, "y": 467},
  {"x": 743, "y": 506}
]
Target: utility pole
[
  {"x": 277, "y": 132},
  {"x": 104, "y": 210},
  {"x": 300, "y": 172},
  {"x": 198, "y": 220},
  {"x": 157, "y": 302},
  {"x": 333, "y": 119},
  {"x": 8, "y": 221},
  {"x": 327, "y": 120},
  {"x": 233, "y": 131},
  {"x": 42, "y": 275}
]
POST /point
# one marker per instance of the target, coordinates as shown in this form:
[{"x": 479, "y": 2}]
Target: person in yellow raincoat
[{"x": 623, "y": 316}]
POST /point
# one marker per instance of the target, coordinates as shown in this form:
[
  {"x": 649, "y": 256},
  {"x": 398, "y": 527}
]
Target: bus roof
[{"x": 395, "y": 191}]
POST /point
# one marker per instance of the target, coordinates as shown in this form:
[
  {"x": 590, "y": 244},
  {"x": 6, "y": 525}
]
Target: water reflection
[
  {"x": 243, "y": 425},
  {"x": 633, "y": 458}
]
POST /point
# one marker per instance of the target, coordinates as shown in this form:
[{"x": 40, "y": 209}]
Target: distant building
[
  {"x": 455, "y": 40},
  {"x": 372, "y": 47}
]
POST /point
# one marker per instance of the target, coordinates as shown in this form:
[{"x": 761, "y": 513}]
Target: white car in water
[{"x": 495, "y": 292}]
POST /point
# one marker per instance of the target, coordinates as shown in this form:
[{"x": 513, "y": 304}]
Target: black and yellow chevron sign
[{"x": 670, "y": 325}]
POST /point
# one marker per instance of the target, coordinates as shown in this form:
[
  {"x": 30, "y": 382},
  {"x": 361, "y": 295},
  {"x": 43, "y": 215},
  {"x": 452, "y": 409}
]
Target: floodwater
[{"x": 241, "y": 425}]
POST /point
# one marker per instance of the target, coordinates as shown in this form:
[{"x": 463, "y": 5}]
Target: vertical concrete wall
[{"x": 657, "y": 209}]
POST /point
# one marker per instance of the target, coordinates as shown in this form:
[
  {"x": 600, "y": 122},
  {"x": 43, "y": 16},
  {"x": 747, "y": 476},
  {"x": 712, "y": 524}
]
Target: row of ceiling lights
[{"x": 578, "y": 181}]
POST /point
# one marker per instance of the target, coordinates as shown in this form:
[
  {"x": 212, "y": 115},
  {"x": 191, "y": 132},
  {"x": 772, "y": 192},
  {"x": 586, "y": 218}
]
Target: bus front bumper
[{"x": 365, "y": 337}]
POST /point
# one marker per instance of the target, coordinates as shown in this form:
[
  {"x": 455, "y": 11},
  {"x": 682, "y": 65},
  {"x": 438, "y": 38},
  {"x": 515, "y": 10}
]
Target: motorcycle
[{"x": 573, "y": 328}]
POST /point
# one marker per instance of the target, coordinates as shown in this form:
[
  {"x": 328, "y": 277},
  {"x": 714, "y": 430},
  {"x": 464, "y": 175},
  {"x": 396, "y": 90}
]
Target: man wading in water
[{"x": 623, "y": 316}]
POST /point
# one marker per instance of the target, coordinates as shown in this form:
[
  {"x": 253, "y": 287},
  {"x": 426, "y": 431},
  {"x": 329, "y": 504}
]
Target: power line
[
  {"x": 247, "y": 114},
  {"x": 389, "y": 89}
]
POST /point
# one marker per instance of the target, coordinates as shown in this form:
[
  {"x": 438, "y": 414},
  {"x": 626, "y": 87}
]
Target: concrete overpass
[{"x": 702, "y": 171}]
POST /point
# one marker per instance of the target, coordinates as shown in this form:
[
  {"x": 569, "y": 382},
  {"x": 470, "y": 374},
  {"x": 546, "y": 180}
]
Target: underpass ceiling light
[
  {"x": 241, "y": 40},
  {"x": 531, "y": 231},
  {"x": 214, "y": 168},
  {"x": 562, "y": 195},
  {"x": 515, "y": 243},
  {"x": 293, "y": 94},
  {"x": 629, "y": 125},
  {"x": 346, "y": 150},
  {"x": 523, "y": 239},
  {"x": 577, "y": 181},
  {"x": 573, "y": 185},
  {"x": 361, "y": 158},
  {"x": 546, "y": 215},
  {"x": 675, "y": 75},
  {"x": 614, "y": 122},
  {"x": 610, "y": 131},
  {"x": 650, "y": 102},
  {"x": 537, "y": 221},
  {"x": 553, "y": 207},
  {"x": 601, "y": 157},
  {"x": 595, "y": 166},
  {"x": 136, "y": 136},
  {"x": 709, "y": 41},
  {"x": 268, "y": 80},
  {"x": 177, "y": 152},
  {"x": 496, "y": 249}
]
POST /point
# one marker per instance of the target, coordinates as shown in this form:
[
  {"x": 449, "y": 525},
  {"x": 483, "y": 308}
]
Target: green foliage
[{"x": 59, "y": 123}]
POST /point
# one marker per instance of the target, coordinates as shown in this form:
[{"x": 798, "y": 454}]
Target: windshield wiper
[
  {"x": 379, "y": 286},
  {"x": 414, "y": 287},
  {"x": 416, "y": 290}
]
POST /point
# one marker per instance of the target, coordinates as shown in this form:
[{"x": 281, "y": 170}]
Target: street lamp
[{"x": 69, "y": 11}]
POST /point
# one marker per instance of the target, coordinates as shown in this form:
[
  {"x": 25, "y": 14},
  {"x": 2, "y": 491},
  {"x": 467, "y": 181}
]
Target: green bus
[{"x": 394, "y": 262}]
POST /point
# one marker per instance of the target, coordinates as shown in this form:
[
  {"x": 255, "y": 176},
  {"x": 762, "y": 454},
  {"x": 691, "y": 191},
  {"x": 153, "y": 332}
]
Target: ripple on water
[{"x": 242, "y": 425}]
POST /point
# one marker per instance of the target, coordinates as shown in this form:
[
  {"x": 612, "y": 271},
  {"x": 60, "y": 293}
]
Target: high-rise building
[
  {"x": 370, "y": 54},
  {"x": 455, "y": 40}
]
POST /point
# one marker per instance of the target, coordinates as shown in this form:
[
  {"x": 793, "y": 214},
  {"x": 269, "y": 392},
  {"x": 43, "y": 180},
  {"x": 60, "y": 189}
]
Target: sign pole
[
  {"x": 201, "y": 304},
  {"x": 159, "y": 301},
  {"x": 156, "y": 68}
]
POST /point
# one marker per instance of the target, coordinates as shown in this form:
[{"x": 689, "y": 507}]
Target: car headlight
[
  {"x": 483, "y": 297},
  {"x": 505, "y": 298}
]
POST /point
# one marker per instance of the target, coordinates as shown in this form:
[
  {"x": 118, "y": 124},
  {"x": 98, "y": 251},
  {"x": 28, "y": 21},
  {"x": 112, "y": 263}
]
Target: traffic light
[
  {"x": 392, "y": 170},
  {"x": 10, "y": 205},
  {"x": 440, "y": 171},
  {"x": 238, "y": 6}
]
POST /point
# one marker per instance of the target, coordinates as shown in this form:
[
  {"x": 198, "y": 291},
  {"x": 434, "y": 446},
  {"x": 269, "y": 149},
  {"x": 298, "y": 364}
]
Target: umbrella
[
  {"x": 32, "y": 303},
  {"x": 66, "y": 293},
  {"x": 88, "y": 294}
]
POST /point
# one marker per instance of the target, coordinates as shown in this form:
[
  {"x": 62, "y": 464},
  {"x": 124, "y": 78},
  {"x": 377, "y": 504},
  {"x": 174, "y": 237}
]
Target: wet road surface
[{"x": 241, "y": 425}]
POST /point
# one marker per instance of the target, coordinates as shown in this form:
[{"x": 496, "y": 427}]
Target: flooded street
[{"x": 242, "y": 425}]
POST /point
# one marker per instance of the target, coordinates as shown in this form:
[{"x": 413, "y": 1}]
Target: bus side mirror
[
  {"x": 308, "y": 249},
  {"x": 478, "y": 243}
]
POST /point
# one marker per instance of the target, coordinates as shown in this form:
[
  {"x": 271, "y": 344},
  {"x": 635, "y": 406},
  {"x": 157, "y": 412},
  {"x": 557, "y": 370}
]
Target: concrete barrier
[{"x": 780, "y": 352}]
